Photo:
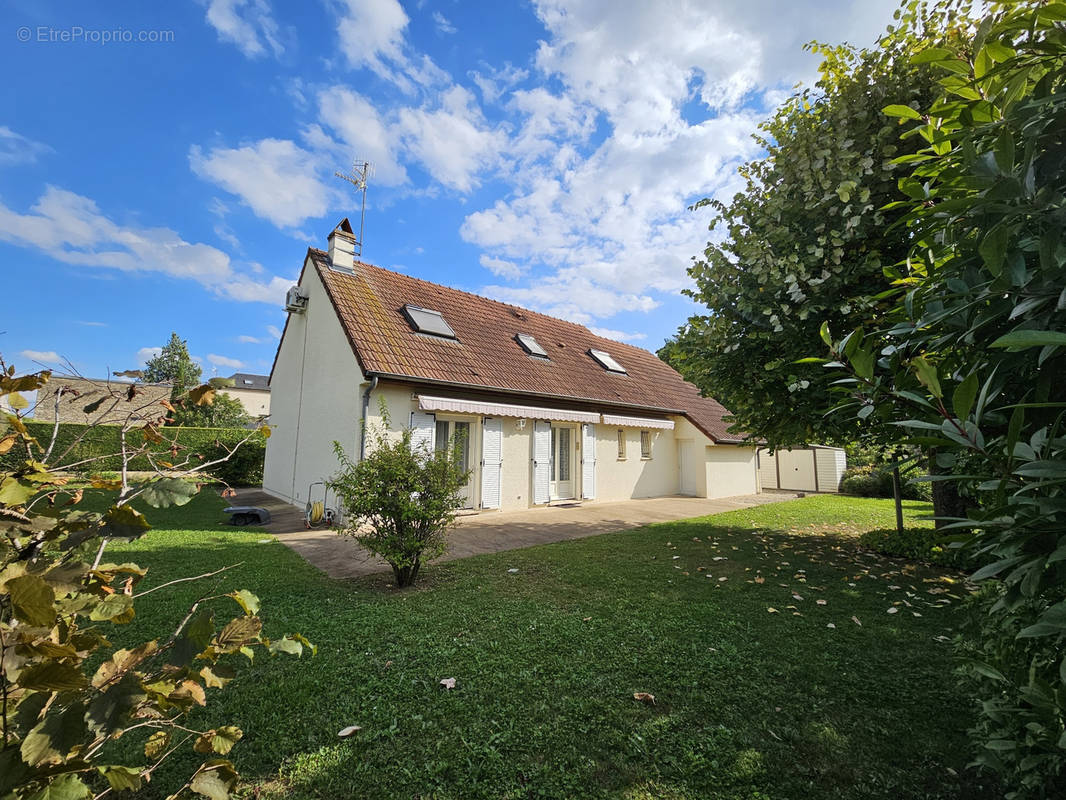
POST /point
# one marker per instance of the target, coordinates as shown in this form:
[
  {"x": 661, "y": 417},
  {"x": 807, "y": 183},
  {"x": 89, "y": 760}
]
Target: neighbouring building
[
  {"x": 75, "y": 393},
  {"x": 548, "y": 410},
  {"x": 817, "y": 468},
  {"x": 253, "y": 391}
]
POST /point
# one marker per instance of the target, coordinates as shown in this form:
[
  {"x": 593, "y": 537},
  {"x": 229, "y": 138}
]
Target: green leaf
[
  {"x": 114, "y": 607},
  {"x": 122, "y": 778},
  {"x": 17, "y": 401},
  {"x": 51, "y": 676},
  {"x": 124, "y": 522},
  {"x": 998, "y": 52},
  {"x": 168, "y": 492},
  {"x": 996, "y": 567},
  {"x": 94, "y": 405},
  {"x": 214, "y": 780},
  {"x": 1022, "y": 339},
  {"x": 927, "y": 376},
  {"x": 931, "y": 54},
  {"x": 32, "y": 600},
  {"x": 962, "y": 399},
  {"x": 823, "y": 331},
  {"x": 906, "y": 112},
  {"x": 219, "y": 740},
  {"x": 993, "y": 248},
  {"x": 110, "y": 709},
  {"x": 246, "y": 600},
  {"x": 1005, "y": 151},
  {"x": 15, "y": 493},
  {"x": 1042, "y": 469},
  {"x": 65, "y": 787},
  {"x": 52, "y": 739},
  {"x": 862, "y": 361}
]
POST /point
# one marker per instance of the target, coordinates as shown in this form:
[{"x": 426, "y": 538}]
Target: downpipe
[{"x": 366, "y": 407}]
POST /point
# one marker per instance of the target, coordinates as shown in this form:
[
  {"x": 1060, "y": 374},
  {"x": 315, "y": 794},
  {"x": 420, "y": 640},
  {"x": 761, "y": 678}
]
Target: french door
[
  {"x": 561, "y": 471},
  {"x": 451, "y": 433}
]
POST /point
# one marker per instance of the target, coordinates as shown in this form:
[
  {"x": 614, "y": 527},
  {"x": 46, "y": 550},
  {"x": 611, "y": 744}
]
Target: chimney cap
[{"x": 343, "y": 227}]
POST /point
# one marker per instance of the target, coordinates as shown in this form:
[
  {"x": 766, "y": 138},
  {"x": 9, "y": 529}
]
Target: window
[
  {"x": 645, "y": 444},
  {"x": 621, "y": 444},
  {"x": 604, "y": 359},
  {"x": 530, "y": 345},
  {"x": 424, "y": 320}
]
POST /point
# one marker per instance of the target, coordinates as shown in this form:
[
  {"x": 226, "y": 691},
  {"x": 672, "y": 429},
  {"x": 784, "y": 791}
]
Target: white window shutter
[
  {"x": 491, "y": 462},
  {"x": 542, "y": 453},
  {"x": 423, "y": 432},
  {"x": 588, "y": 461}
]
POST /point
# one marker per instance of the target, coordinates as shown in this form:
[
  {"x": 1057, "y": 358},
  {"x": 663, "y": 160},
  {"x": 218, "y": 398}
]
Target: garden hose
[{"x": 317, "y": 509}]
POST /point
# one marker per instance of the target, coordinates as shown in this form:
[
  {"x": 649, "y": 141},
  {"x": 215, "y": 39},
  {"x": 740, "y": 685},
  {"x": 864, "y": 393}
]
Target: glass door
[
  {"x": 560, "y": 476},
  {"x": 453, "y": 434}
]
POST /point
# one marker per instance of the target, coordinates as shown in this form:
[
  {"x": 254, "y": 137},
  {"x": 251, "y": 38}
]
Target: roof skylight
[
  {"x": 530, "y": 345},
  {"x": 425, "y": 320},
  {"x": 606, "y": 361}
]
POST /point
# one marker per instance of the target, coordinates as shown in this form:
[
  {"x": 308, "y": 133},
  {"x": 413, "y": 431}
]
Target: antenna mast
[{"x": 361, "y": 171}]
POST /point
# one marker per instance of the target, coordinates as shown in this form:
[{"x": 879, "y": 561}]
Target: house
[
  {"x": 253, "y": 392},
  {"x": 547, "y": 410}
]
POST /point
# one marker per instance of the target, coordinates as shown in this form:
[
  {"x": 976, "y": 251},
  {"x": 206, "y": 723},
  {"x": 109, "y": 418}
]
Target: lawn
[{"x": 764, "y": 635}]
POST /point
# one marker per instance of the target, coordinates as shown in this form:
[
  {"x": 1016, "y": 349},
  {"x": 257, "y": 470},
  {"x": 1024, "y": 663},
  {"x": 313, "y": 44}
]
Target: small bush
[
  {"x": 244, "y": 467},
  {"x": 919, "y": 544},
  {"x": 872, "y": 481}
]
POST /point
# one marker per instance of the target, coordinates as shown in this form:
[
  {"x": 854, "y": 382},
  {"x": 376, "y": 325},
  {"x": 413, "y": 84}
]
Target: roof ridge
[{"x": 482, "y": 297}]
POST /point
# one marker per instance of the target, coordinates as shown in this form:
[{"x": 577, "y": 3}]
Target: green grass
[{"x": 749, "y": 704}]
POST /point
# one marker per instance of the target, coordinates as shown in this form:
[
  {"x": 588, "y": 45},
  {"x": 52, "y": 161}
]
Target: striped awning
[
  {"x": 638, "y": 422},
  {"x": 486, "y": 409}
]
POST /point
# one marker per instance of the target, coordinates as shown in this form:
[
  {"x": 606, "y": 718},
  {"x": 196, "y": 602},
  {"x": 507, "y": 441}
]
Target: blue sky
[{"x": 164, "y": 166}]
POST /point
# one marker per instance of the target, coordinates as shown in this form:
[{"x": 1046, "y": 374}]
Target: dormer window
[
  {"x": 604, "y": 360},
  {"x": 531, "y": 345},
  {"x": 427, "y": 321}
]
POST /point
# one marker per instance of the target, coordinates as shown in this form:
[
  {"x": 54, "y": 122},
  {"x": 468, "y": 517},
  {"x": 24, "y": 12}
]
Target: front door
[
  {"x": 451, "y": 433},
  {"x": 561, "y": 474}
]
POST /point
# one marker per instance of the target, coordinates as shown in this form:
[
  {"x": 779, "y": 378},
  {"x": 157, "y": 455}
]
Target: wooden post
[
  {"x": 814, "y": 455},
  {"x": 897, "y": 495}
]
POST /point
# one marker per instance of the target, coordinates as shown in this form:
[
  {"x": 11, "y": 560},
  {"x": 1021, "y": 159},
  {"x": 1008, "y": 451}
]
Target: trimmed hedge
[{"x": 245, "y": 468}]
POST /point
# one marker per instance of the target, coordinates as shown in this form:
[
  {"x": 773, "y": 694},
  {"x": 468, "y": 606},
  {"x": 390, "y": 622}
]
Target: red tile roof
[{"x": 486, "y": 356}]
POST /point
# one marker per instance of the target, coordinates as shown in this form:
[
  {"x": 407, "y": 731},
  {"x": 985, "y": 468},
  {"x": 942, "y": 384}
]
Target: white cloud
[
  {"x": 453, "y": 142},
  {"x": 245, "y": 339},
  {"x": 364, "y": 133},
  {"x": 91, "y": 324},
  {"x": 248, "y": 24},
  {"x": 495, "y": 82},
  {"x": 618, "y": 336},
  {"x": 17, "y": 149},
  {"x": 71, "y": 229},
  {"x": 641, "y": 109},
  {"x": 276, "y": 178},
  {"x": 372, "y": 36},
  {"x": 274, "y": 331},
  {"x": 223, "y": 361},
  {"x": 146, "y": 354},
  {"x": 44, "y": 356},
  {"x": 443, "y": 25},
  {"x": 500, "y": 267}
]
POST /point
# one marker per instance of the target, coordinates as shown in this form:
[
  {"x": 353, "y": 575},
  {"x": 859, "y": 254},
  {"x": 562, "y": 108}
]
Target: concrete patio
[{"x": 491, "y": 532}]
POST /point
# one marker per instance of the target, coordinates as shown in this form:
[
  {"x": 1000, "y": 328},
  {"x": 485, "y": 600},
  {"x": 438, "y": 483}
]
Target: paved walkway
[{"x": 340, "y": 557}]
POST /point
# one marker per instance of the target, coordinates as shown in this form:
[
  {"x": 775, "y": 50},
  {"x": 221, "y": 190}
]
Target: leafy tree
[
  {"x": 970, "y": 356},
  {"x": 805, "y": 241},
  {"x": 65, "y": 691},
  {"x": 173, "y": 365},
  {"x": 222, "y": 412},
  {"x": 400, "y": 500}
]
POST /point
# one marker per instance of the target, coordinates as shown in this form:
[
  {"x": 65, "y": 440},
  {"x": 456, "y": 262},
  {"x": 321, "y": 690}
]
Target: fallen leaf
[
  {"x": 856, "y": 621},
  {"x": 830, "y": 625},
  {"x": 644, "y": 697},
  {"x": 388, "y": 664},
  {"x": 586, "y": 619},
  {"x": 893, "y": 610},
  {"x": 760, "y": 580},
  {"x": 772, "y": 610},
  {"x": 821, "y": 602},
  {"x": 513, "y": 570},
  {"x": 346, "y": 732},
  {"x": 448, "y": 683},
  {"x": 723, "y": 579},
  {"x": 796, "y": 596}
]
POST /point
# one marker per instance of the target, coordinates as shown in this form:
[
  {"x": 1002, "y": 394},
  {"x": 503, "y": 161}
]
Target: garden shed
[{"x": 817, "y": 468}]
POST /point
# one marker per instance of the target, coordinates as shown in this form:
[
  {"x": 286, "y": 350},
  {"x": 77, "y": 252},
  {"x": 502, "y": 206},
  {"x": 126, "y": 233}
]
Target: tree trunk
[
  {"x": 947, "y": 502},
  {"x": 897, "y": 495},
  {"x": 405, "y": 576}
]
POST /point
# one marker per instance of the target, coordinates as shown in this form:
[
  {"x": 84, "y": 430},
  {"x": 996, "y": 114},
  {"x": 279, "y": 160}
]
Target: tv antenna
[{"x": 361, "y": 172}]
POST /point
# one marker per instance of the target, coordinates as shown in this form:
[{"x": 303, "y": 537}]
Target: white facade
[{"x": 808, "y": 469}]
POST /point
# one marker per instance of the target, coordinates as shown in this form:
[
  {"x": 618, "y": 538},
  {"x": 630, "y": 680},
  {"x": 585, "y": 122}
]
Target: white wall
[
  {"x": 832, "y": 462},
  {"x": 256, "y": 402},
  {"x": 624, "y": 479},
  {"x": 730, "y": 470},
  {"x": 316, "y": 396}
]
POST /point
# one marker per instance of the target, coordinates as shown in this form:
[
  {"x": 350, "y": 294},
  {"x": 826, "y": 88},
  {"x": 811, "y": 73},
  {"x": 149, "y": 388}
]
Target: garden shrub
[
  {"x": 919, "y": 544},
  {"x": 872, "y": 481}
]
